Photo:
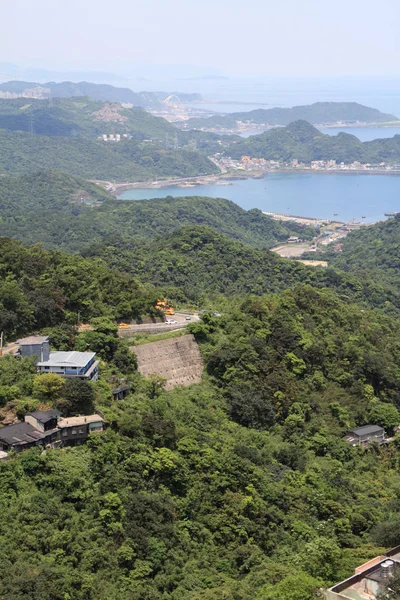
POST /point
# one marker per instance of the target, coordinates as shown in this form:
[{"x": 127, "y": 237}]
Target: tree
[
  {"x": 78, "y": 397},
  {"x": 48, "y": 387},
  {"x": 250, "y": 407},
  {"x": 384, "y": 414}
]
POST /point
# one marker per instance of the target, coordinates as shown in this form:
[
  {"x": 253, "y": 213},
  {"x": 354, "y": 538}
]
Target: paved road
[{"x": 174, "y": 320}]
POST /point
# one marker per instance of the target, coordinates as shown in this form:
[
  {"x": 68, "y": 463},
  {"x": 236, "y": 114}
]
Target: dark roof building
[
  {"x": 44, "y": 420},
  {"x": 24, "y": 435}
]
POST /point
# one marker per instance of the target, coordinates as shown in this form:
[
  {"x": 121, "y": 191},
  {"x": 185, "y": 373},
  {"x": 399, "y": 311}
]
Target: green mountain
[
  {"x": 318, "y": 114},
  {"x": 127, "y": 160},
  {"x": 81, "y": 117},
  {"x": 304, "y": 142},
  {"x": 196, "y": 263},
  {"x": 40, "y": 288},
  {"x": 240, "y": 487},
  {"x": 52, "y": 208},
  {"x": 373, "y": 250}
]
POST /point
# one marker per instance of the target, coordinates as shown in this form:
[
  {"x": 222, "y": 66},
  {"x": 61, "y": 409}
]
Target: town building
[
  {"x": 75, "y": 430},
  {"x": 47, "y": 428},
  {"x": 370, "y": 580},
  {"x": 80, "y": 365},
  {"x": 43, "y": 420},
  {"x": 34, "y": 345},
  {"x": 363, "y": 436},
  {"x": 22, "y": 436}
]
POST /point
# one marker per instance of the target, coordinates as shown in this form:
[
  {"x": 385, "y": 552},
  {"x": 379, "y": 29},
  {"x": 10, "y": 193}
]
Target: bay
[
  {"x": 320, "y": 195},
  {"x": 364, "y": 134}
]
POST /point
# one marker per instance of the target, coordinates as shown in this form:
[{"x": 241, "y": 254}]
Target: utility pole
[{"x": 1, "y": 343}]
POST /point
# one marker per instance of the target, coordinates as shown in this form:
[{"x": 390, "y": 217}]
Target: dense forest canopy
[
  {"x": 39, "y": 289},
  {"x": 127, "y": 160},
  {"x": 373, "y": 250},
  {"x": 54, "y": 208},
  {"x": 302, "y": 141},
  {"x": 239, "y": 487}
]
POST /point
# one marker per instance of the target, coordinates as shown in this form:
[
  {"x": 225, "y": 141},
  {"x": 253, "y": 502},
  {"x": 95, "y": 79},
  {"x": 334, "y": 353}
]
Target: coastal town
[{"x": 259, "y": 166}]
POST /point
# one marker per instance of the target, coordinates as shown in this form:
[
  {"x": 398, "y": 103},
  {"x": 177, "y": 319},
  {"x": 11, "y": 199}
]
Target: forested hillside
[
  {"x": 127, "y": 160},
  {"x": 197, "y": 263},
  {"x": 51, "y": 207},
  {"x": 40, "y": 289},
  {"x": 317, "y": 113},
  {"x": 80, "y": 117},
  {"x": 304, "y": 142},
  {"x": 373, "y": 250},
  {"x": 239, "y": 487}
]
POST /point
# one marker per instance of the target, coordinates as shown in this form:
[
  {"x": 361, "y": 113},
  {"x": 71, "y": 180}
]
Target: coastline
[{"x": 224, "y": 179}]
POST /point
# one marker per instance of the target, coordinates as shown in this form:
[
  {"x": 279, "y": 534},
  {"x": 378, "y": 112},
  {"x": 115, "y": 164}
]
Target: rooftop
[
  {"x": 68, "y": 359},
  {"x": 33, "y": 339},
  {"x": 366, "y": 430},
  {"x": 22, "y": 433},
  {"x": 45, "y": 415},
  {"x": 81, "y": 420}
]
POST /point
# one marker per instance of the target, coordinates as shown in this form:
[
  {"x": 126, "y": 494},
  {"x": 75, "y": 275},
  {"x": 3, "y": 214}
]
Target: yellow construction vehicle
[{"x": 165, "y": 307}]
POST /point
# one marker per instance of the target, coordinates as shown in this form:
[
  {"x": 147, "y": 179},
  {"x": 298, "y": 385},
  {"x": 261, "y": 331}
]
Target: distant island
[{"x": 320, "y": 113}]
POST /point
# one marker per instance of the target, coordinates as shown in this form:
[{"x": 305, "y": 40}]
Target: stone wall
[{"x": 178, "y": 360}]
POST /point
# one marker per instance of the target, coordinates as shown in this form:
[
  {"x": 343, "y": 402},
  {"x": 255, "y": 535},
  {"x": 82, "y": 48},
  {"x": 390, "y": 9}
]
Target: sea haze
[{"x": 304, "y": 194}]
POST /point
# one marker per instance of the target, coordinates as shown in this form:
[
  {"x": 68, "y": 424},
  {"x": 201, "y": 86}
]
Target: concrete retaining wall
[{"x": 178, "y": 360}]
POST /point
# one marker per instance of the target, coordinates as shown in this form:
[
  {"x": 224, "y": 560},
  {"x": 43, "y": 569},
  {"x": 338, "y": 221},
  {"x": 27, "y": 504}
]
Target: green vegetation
[
  {"x": 47, "y": 207},
  {"x": 196, "y": 263},
  {"x": 318, "y": 113},
  {"x": 303, "y": 141},
  {"x": 239, "y": 487},
  {"x": 372, "y": 251},
  {"x": 80, "y": 117},
  {"x": 127, "y": 160},
  {"x": 42, "y": 289}
]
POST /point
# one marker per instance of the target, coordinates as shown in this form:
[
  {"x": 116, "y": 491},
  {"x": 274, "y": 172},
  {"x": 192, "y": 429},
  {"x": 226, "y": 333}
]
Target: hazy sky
[{"x": 254, "y": 37}]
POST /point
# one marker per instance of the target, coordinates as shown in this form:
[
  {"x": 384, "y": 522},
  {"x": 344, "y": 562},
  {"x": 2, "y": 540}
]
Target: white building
[{"x": 71, "y": 364}]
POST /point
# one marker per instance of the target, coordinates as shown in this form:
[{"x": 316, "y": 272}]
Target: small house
[
  {"x": 75, "y": 430},
  {"x": 34, "y": 345},
  {"x": 81, "y": 365},
  {"x": 22, "y": 436},
  {"x": 43, "y": 420},
  {"x": 363, "y": 436}
]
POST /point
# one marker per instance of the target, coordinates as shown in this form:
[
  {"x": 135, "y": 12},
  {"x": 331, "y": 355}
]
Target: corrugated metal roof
[
  {"x": 366, "y": 430},
  {"x": 67, "y": 359}
]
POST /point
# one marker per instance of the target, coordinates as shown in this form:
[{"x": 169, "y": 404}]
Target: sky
[{"x": 228, "y": 37}]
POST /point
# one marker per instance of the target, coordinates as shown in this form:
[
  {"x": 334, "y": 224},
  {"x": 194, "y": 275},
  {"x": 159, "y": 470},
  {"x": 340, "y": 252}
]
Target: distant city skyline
[{"x": 234, "y": 38}]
